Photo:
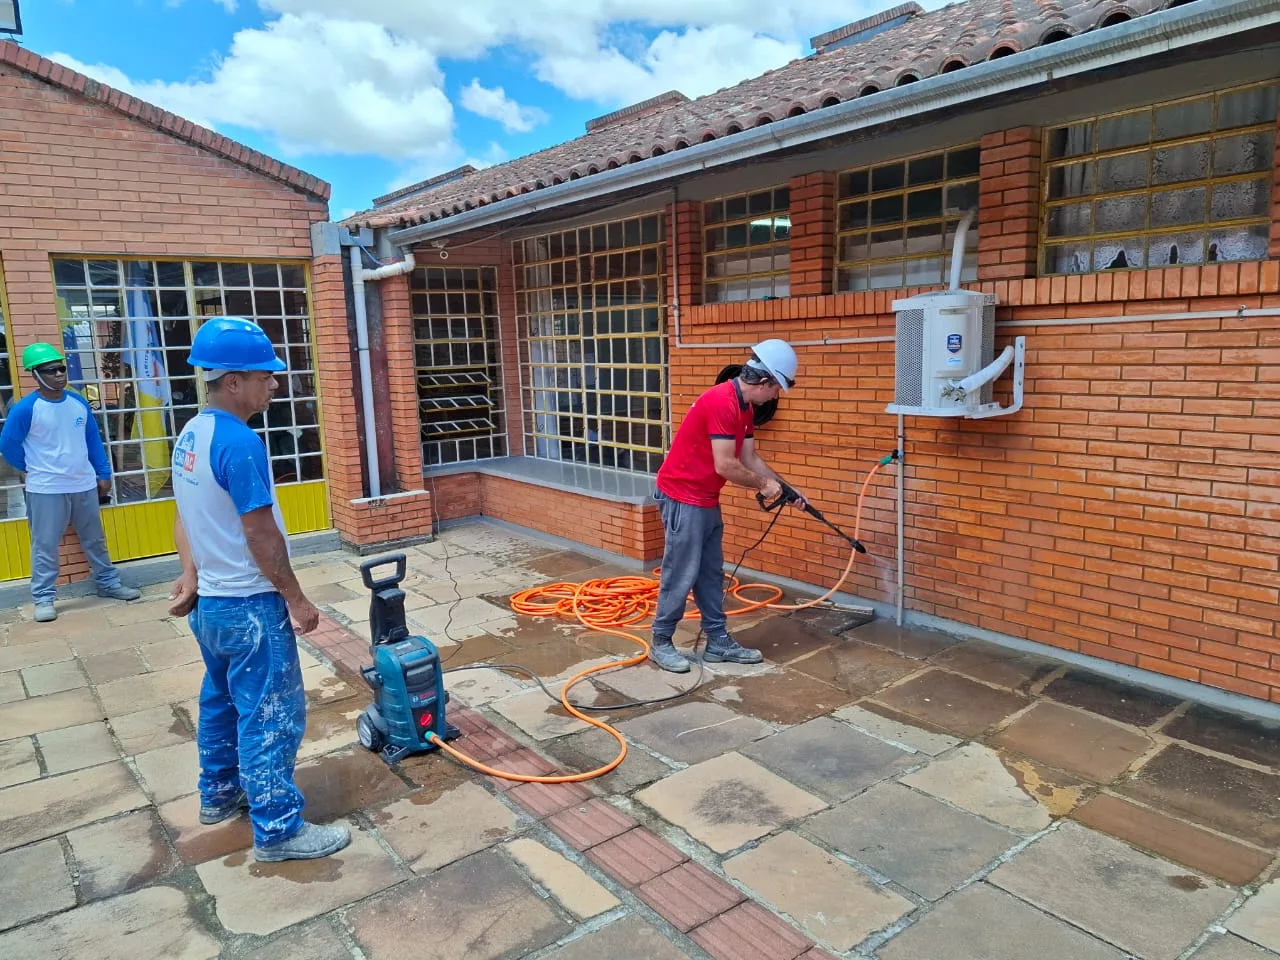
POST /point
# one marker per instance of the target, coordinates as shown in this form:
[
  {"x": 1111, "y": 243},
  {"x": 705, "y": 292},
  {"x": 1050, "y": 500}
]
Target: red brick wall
[
  {"x": 80, "y": 178},
  {"x": 813, "y": 233},
  {"x": 1275, "y": 201},
  {"x": 685, "y": 240},
  {"x": 397, "y": 516},
  {"x": 1008, "y": 204}
]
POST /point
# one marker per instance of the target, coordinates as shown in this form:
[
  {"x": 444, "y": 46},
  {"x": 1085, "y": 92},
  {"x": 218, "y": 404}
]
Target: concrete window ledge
[{"x": 615, "y": 486}]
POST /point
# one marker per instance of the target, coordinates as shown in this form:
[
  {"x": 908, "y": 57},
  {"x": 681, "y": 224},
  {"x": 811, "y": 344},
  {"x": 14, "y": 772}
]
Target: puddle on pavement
[
  {"x": 338, "y": 783},
  {"x": 562, "y": 566},
  {"x": 324, "y": 870},
  {"x": 783, "y": 639},
  {"x": 782, "y": 697},
  {"x": 200, "y": 844},
  {"x": 1187, "y": 881},
  {"x": 477, "y": 649},
  {"x": 184, "y": 725}
]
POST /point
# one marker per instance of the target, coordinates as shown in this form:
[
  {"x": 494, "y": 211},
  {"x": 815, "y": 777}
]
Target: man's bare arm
[
  {"x": 268, "y": 548},
  {"x": 731, "y": 467}
]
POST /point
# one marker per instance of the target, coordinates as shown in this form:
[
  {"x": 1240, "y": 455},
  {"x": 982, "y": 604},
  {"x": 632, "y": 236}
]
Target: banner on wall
[{"x": 143, "y": 355}]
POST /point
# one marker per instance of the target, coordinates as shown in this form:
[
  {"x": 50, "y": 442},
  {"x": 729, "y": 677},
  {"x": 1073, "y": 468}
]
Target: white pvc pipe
[
  {"x": 957, "y": 249},
  {"x": 366, "y": 374},
  {"x": 902, "y": 464}
]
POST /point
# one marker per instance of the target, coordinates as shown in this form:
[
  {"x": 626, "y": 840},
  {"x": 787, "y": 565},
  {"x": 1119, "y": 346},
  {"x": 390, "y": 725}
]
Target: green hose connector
[{"x": 885, "y": 461}]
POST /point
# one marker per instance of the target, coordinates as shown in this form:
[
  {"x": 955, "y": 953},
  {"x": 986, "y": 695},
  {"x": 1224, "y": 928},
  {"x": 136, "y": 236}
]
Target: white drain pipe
[{"x": 358, "y": 277}]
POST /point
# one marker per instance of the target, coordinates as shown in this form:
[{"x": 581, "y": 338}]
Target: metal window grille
[
  {"x": 591, "y": 306},
  {"x": 746, "y": 246},
  {"x": 896, "y": 222},
  {"x": 127, "y": 327},
  {"x": 1183, "y": 182},
  {"x": 458, "y": 360}
]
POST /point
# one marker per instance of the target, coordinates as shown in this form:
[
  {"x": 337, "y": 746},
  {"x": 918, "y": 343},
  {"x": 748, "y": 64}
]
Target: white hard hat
[{"x": 777, "y": 359}]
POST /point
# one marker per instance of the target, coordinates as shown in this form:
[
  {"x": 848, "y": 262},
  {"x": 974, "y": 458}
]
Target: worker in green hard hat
[{"x": 52, "y": 438}]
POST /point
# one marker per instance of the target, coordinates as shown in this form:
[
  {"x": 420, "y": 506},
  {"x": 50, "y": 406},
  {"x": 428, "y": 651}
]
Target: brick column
[
  {"x": 406, "y": 430},
  {"x": 685, "y": 252},
  {"x": 1275, "y": 200},
  {"x": 1009, "y": 194},
  {"x": 813, "y": 233}
]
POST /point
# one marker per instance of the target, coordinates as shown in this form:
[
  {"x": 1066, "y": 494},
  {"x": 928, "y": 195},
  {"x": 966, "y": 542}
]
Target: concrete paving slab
[
  {"x": 907, "y": 641},
  {"x": 98, "y": 639},
  {"x": 429, "y": 833},
  {"x": 317, "y": 940},
  {"x": 1232, "y": 948},
  {"x": 322, "y": 685},
  {"x": 479, "y": 687},
  {"x": 480, "y": 908},
  {"x": 1059, "y": 793},
  {"x": 566, "y": 881},
  {"x": 170, "y": 772},
  {"x": 469, "y": 612},
  {"x": 120, "y": 855},
  {"x": 53, "y": 678},
  {"x": 34, "y": 882},
  {"x": 1236, "y": 800},
  {"x": 131, "y": 694},
  {"x": 1111, "y": 698},
  {"x": 896, "y": 733},
  {"x": 17, "y": 655},
  {"x": 976, "y": 779},
  {"x": 830, "y": 759},
  {"x": 18, "y": 762},
  {"x": 197, "y": 843},
  {"x": 923, "y": 844},
  {"x": 727, "y": 801},
  {"x": 170, "y": 653},
  {"x": 73, "y": 748},
  {"x": 330, "y": 726},
  {"x": 1258, "y": 921},
  {"x": 344, "y": 781},
  {"x": 1181, "y": 842},
  {"x": 116, "y": 665},
  {"x": 138, "y": 611},
  {"x": 537, "y": 715},
  {"x": 53, "y": 712},
  {"x": 694, "y": 731},
  {"x": 52, "y": 805},
  {"x": 627, "y": 939},
  {"x": 645, "y": 682},
  {"x": 149, "y": 729},
  {"x": 982, "y": 923},
  {"x": 1074, "y": 741},
  {"x": 783, "y": 639},
  {"x": 592, "y": 748},
  {"x": 1253, "y": 740},
  {"x": 836, "y": 905},
  {"x": 11, "y": 688},
  {"x": 69, "y": 621},
  {"x": 262, "y": 898},
  {"x": 1100, "y": 885},
  {"x": 782, "y": 696},
  {"x": 152, "y": 924},
  {"x": 997, "y": 665},
  {"x": 952, "y": 702}
]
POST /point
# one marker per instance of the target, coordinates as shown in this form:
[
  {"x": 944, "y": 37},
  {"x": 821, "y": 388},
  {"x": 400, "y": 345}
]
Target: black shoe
[
  {"x": 666, "y": 656},
  {"x": 728, "y": 650}
]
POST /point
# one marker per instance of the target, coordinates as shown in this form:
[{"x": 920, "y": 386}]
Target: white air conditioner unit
[{"x": 946, "y": 359}]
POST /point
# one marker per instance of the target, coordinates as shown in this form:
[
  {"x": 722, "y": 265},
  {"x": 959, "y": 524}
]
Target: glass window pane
[
  {"x": 1246, "y": 108},
  {"x": 1126, "y": 172},
  {"x": 890, "y": 177},
  {"x": 1246, "y": 153},
  {"x": 1174, "y": 207},
  {"x": 1126, "y": 130},
  {"x": 1170, "y": 250},
  {"x": 1120, "y": 214},
  {"x": 1238, "y": 201},
  {"x": 1177, "y": 164},
  {"x": 926, "y": 169},
  {"x": 1184, "y": 119},
  {"x": 69, "y": 272}
]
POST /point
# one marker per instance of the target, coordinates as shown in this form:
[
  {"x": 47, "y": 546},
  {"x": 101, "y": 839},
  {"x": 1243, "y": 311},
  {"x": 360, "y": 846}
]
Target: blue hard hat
[{"x": 233, "y": 343}]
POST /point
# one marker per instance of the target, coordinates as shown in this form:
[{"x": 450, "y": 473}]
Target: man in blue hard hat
[
  {"x": 52, "y": 438},
  {"x": 714, "y": 445},
  {"x": 240, "y": 591}
]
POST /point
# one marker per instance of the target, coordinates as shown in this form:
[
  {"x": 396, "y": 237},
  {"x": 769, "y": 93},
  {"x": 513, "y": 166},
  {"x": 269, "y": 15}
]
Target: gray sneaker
[
  {"x": 211, "y": 813},
  {"x": 729, "y": 650},
  {"x": 119, "y": 592},
  {"x": 44, "y": 613},
  {"x": 665, "y": 655},
  {"x": 310, "y": 843}
]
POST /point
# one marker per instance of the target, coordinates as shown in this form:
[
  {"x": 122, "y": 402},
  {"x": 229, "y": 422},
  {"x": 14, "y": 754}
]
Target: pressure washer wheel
[{"x": 371, "y": 738}]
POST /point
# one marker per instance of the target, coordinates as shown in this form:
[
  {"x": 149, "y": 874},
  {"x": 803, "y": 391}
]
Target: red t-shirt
[{"x": 689, "y": 472}]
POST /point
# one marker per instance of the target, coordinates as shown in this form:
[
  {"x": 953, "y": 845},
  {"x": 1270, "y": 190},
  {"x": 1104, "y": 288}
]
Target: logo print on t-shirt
[{"x": 184, "y": 453}]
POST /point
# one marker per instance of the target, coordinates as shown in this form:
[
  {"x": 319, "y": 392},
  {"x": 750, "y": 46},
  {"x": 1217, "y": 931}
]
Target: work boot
[
  {"x": 728, "y": 650},
  {"x": 310, "y": 843},
  {"x": 664, "y": 653},
  {"x": 119, "y": 592},
  {"x": 44, "y": 613},
  {"x": 211, "y": 813}
]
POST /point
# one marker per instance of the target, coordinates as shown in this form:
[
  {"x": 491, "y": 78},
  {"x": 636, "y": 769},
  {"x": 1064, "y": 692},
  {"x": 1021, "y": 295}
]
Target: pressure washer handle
[
  {"x": 788, "y": 495},
  {"x": 367, "y": 568}
]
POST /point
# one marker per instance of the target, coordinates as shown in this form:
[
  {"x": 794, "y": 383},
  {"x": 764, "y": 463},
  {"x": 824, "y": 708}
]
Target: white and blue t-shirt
[
  {"x": 56, "y": 443},
  {"x": 220, "y": 473}
]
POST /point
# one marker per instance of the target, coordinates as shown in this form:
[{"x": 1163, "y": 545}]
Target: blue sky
[{"x": 374, "y": 94}]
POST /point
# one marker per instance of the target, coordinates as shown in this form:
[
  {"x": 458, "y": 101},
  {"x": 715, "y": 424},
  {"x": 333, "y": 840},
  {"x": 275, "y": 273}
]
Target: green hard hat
[{"x": 38, "y": 354}]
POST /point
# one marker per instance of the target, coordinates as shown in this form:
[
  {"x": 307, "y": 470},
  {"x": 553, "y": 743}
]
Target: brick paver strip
[
  {"x": 689, "y": 895},
  {"x": 591, "y": 823},
  {"x": 547, "y": 799},
  {"x": 749, "y": 932},
  {"x": 636, "y": 857},
  {"x": 524, "y": 761},
  {"x": 817, "y": 954}
]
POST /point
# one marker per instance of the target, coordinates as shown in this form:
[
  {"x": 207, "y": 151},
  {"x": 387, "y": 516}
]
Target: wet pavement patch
[
  {"x": 856, "y": 668},
  {"x": 1110, "y": 698},
  {"x": 992, "y": 664},
  {"x": 783, "y": 639},
  {"x": 1227, "y": 733},
  {"x": 1074, "y": 741},
  {"x": 913, "y": 642},
  {"x": 952, "y": 702},
  {"x": 694, "y": 731},
  {"x": 778, "y": 697}
]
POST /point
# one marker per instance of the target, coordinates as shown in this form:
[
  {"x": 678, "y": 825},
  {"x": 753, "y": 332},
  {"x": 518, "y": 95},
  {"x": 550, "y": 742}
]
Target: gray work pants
[
  {"x": 48, "y": 515},
  {"x": 693, "y": 559}
]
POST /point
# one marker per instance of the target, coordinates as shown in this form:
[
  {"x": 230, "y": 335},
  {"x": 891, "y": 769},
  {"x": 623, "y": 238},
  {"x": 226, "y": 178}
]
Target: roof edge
[{"x": 179, "y": 128}]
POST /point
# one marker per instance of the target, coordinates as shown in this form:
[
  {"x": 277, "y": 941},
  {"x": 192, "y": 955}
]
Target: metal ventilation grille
[
  {"x": 988, "y": 346},
  {"x": 909, "y": 390}
]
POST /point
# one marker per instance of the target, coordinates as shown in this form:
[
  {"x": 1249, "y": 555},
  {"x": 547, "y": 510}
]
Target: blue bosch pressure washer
[{"x": 408, "y": 709}]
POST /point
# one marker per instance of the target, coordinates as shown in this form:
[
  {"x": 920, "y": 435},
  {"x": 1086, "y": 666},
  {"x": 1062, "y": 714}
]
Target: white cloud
[{"x": 494, "y": 104}]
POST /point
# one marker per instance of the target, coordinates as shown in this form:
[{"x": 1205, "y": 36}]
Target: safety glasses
[{"x": 52, "y": 368}]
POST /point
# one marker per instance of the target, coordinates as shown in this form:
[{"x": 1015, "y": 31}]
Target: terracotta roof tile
[
  {"x": 955, "y": 36},
  {"x": 153, "y": 116}
]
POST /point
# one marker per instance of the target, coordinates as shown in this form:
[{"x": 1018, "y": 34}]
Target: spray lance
[{"x": 790, "y": 495}]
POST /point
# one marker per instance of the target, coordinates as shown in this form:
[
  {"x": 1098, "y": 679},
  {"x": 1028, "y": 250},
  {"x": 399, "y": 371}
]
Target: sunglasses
[{"x": 52, "y": 368}]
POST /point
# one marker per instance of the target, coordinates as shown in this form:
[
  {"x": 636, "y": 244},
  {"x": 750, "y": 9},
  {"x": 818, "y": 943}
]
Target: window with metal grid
[
  {"x": 126, "y": 330},
  {"x": 12, "y": 503},
  {"x": 458, "y": 363},
  {"x": 746, "y": 246},
  {"x": 591, "y": 307},
  {"x": 896, "y": 222},
  {"x": 1182, "y": 182}
]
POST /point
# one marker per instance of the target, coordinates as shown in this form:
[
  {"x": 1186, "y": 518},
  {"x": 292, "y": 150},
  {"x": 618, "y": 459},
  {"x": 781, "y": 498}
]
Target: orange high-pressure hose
[{"x": 609, "y": 604}]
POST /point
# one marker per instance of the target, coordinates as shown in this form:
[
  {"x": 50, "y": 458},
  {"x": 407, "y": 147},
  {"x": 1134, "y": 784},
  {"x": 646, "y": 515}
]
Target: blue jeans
[
  {"x": 692, "y": 559},
  {"x": 252, "y": 710},
  {"x": 48, "y": 515}
]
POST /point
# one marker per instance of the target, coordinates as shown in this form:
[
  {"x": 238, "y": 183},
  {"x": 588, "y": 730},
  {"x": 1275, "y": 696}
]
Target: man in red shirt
[{"x": 714, "y": 445}]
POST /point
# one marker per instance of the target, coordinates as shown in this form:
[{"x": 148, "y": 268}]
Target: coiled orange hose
[{"x": 607, "y": 605}]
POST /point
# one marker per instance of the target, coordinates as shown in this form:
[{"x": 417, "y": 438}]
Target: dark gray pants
[
  {"x": 48, "y": 514},
  {"x": 693, "y": 559}
]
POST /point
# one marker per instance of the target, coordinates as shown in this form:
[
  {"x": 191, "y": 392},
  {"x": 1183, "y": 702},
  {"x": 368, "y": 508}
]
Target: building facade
[{"x": 566, "y": 308}]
